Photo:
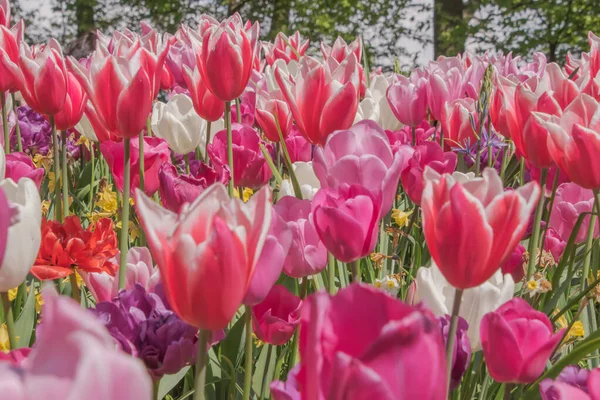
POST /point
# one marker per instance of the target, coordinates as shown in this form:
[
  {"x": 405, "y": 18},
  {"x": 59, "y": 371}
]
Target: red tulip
[
  {"x": 271, "y": 110},
  {"x": 207, "y": 254},
  {"x": 10, "y": 41},
  {"x": 459, "y": 123},
  {"x": 275, "y": 319},
  {"x": 43, "y": 78},
  {"x": 517, "y": 342},
  {"x": 74, "y": 107},
  {"x": 285, "y": 48},
  {"x": 322, "y": 100},
  {"x": 503, "y": 114},
  {"x": 206, "y": 104},
  {"x": 472, "y": 226},
  {"x": 5, "y": 13}
]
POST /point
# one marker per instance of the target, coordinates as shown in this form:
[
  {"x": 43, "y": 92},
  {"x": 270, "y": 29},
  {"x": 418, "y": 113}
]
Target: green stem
[
  {"x": 248, "y": 356},
  {"x": 549, "y": 209},
  {"x": 155, "y": 387},
  {"x": 590, "y": 309},
  {"x": 5, "y": 124},
  {"x": 10, "y": 321},
  {"x": 505, "y": 153},
  {"x": 125, "y": 213},
  {"x": 56, "y": 165},
  {"x": 263, "y": 387},
  {"x": 186, "y": 157},
  {"x": 17, "y": 126},
  {"x": 533, "y": 241},
  {"x": 355, "y": 268},
  {"x": 201, "y": 361},
  {"x": 74, "y": 288},
  {"x": 331, "y": 271},
  {"x": 141, "y": 160},
  {"x": 92, "y": 174},
  {"x": 404, "y": 243},
  {"x": 238, "y": 113},
  {"x": 522, "y": 171},
  {"x": 21, "y": 291},
  {"x": 452, "y": 335},
  {"x": 507, "y": 389},
  {"x": 229, "y": 146},
  {"x": 288, "y": 161},
  {"x": 206, "y": 158},
  {"x": 269, "y": 160},
  {"x": 65, "y": 178},
  {"x": 149, "y": 126}
]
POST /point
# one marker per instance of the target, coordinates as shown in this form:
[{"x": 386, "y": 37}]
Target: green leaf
[
  {"x": 25, "y": 321},
  {"x": 232, "y": 346},
  {"x": 168, "y": 382}
]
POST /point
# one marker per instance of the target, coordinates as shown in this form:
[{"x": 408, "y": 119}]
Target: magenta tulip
[
  {"x": 19, "y": 165},
  {"x": 298, "y": 147},
  {"x": 570, "y": 202},
  {"x": 275, "y": 319}
]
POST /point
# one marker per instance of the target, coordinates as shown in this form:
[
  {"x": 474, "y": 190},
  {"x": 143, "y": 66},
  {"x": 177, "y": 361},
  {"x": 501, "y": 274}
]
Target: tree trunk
[
  {"x": 280, "y": 19},
  {"x": 84, "y": 15},
  {"x": 450, "y": 33}
]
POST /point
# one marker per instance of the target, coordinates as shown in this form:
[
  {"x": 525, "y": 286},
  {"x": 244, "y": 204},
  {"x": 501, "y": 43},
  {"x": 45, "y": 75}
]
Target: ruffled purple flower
[
  {"x": 36, "y": 132},
  {"x": 572, "y": 375},
  {"x": 462, "y": 348}
]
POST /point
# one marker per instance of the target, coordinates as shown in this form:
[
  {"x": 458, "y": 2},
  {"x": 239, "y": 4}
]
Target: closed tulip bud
[
  {"x": 275, "y": 319},
  {"x": 472, "y": 225},
  {"x": 462, "y": 348},
  {"x": 206, "y": 104},
  {"x": 180, "y": 55},
  {"x": 10, "y": 42},
  {"x": 5, "y": 13},
  {"x": 517, "y": 342},
  {"x": 347, "y": 221},
  {"x": 178, "y": 123},
  {"x": 74, "y": 105},
  {"x": 285, "y": 48},
  {"x": 503, "y": 114},
  {"x": 443, "y": 86},
  {"x": 459, "y": 123},
  {"x": 408, "y": 99},
  {"x": 273, "y": 114},
  {"x": 207, "y": 254}
]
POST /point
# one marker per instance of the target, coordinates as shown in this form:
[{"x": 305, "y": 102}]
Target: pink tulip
[
  {"x": 207, "y": 254},
  {"x": 517, "y": 342},
  {"x": 140, "y": 271},
  {"x": 572, "y": 384},
  {"x": 554, "y": 244},
  {"x": 206, "y": 104},
  {"x": 5, "y": 13},
  {"x": 472, "y": 226},
  {"x": 297, "y": 146},
  {"x": 179, "y": 189},
  {"x": 322, "y": 99},
  {"x": 570, "y": 202},
  {"x": 10, "y": 42},
  {"x": 275, "y": 319},
  {"x": 403, "y": 136},
  {"x": 427, "y": 154},
  {"x": 156, "y": 152},
  {"x": 272, "y": 111},
  {"x": 574, "y": 140},
  {"x": 285, "y": 48},
  {"x": 341, "y": 50},
  {"x": 364, "y": 344},
  {"x": 347, "y": 220},
  {"x": 459, "y": 123},
  {"x": 270, "y": 263},
  {"x": 288, "y": 390},
  {"x": 536, "y": 174},
  {"x": 503, "y": 114},
  {"x": 180, "y": 55},
  {"x": 74, "y": 105},
  {"x": 226, "y": 56},
  {"x": 443, "y": 86},
  {"x": 361, "y": 155},
  {"x": 247, "y": 107},
  {"x": 43, "y": 80},
  {"x": 119, "y": 88},
  {"x": 19, "y": 165},
  {"x": 307, "y": 255},
  {"x": 15, "y": 357},
  {"x": 408, "y": 99},
  {"x": 250, "y": 167},
  {"x": 74, "y": 357},
  {"x": 513, "y": 265}
]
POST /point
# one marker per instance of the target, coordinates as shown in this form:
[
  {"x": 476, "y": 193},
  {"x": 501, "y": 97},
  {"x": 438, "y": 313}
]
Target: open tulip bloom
[{"x": 188, "y": 216}]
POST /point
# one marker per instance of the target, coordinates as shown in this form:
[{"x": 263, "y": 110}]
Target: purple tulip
[{"x": 462, "y": 348}]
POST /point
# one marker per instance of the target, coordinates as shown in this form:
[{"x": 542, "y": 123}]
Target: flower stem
[
  {"x": 10, "y": 321},
  {"x": 452, "y": 336},
  {"x": 92, "y": 174},
  {"x": 56, "y": 164},
  {"x": 263, "y": 387},
  {"x": 125, "y": 213},
  {"x": 550, "y": 205},
  {"x": 229, "y": 146},
  {"x": 74, "y": 288},
  {"x": 588, "y": 316},
  {"x": 533, "y": 241},
  {"x": 206, "y": 159},
  {"x": 288, "y": 161},
  {"x": 248, "y": 356},
  {"x": 141, "y": 160},
  {"x": 17, "y": 126},
  {"x": 201, "y": 361},
  {"x": 355, "y": 268},
  {"x": 331, "y": 271},
  {"x": 148, "y": 126},
  {"x": 186, "y": 157},
  {"x": 65, "y": 178},
  {"x": 507, "y": 389},
  {"x": 238, "y": 114},
  {"x": 269, "y": 160},
  {"x": 5, "y": 124}
]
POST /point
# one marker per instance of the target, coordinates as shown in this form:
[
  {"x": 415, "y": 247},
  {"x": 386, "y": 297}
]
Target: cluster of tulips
[{"x": 206, "y": 214}]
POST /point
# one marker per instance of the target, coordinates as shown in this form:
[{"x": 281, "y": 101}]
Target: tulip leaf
[
  {"x": 25, "y": 321},
  {"x": 232, "y": 346},
  {"x": 265, "y": 365},
  {"x": 168, "y": 382}
]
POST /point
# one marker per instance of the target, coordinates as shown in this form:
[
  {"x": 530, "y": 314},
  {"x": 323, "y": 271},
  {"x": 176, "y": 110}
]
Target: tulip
[
  {"x": 119, "y": 88},
  {"x": 5, "y": 13},
  {"x": 73, "y": 352},
  {"x": 289, "y": 389},
  {"x": 16, "y": 357},
  {"x": 375, "y": 106},
  {"x": 275, "y": 319},
  {"x": 459, "y": 123},
  {"x": 285, "y": 48},
  {"x": 43, "y": 80},
  {"x": 572, "y": 382},
  {"x": 321, "y": 99},
  {"x": 387, "y": 346},
  {"x": 156, "y": 152},
  {"x": 503, "y": 114},
  {"x": 347, "y": 220},
  {"x": 207, "y": 254},
  {"x": 573, "y": 140},
  {"x": 23, "y": 237},
  {"x": 513, "y": 265},
  {"x": 290, "y": 69},
  {"x": 517, "y": 342},
  {"x": 19, "y": 165},
  {"x": 140, "y": 271},
  {"x": 74, "y": 105},
  {"x": 570, "y": 202},
  {"x": 92, "y": 127},
  {"x": 407, "y": 97},
  {"x": 10, "y": 41},
  {"x": 443, "y": 86},
  {"x": 225, "y": 61},
  {"x": 251, "y": 168},
  {"x": 361, "y": 155},
  {"x": 270, "y": 262},
  {"x": 176, "y": 190},
  {"x": 438, "y": 295},
  {"x": 340, "y": 50},
  {"x": 179, "y": 124},
  {"x": 206, "y": 104},
  {"x": 403, "y": 137},
  {"x": 247, "y": 103},
  {"x": 273, "y": 115},
  {"x": 462, "y": 348},
  {"x": 427, "y": 154},
  {"x": 307, "y": 255},
  {"x": 298, "y": 148},
  {"x": 309, "y": 184},
  {"x": 472, "y": 226},
  {"x": 554, "y": 244},
  {"x": 180, "y": 55}
]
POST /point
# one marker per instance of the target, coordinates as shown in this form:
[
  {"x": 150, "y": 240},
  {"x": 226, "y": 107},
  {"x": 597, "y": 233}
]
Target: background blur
[{"x": 409, "y": 32}]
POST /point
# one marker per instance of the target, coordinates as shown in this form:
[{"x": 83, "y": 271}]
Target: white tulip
[
  {"x": 178, "y": 123},
  {"x": 437, "y": 294},
  {"x": 84, "y": 127},
  {"x": 291, "y": 69},
  {"x": 375, "y": 105},
  {"x": 24, "y": 236},
  {"x": 309, "y": 184}
]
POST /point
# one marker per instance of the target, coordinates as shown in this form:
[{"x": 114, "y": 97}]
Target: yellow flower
[
  {"x": 12, "y": 293},
  {"x": 45, "y": 207},
  {"x": 246, "y": 193},
  {"x": 51, "y": 181},
  {"x": 42, "y": 161},
  {"x": 257, "y": 341},
  {"x": 134, "y": 231},
  {"x": 39, "y": 302},
  {"x": 107, "y": 200},
  {"x": 4, "y": 341},
  {"x": 401, "y": 217},
  {"x": 576, "y": 330},
  {"x": 83, "y": 140}
]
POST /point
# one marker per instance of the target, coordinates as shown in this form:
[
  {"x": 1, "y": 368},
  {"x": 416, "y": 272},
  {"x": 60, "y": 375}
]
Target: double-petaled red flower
[{"x": 68, "y": 247}]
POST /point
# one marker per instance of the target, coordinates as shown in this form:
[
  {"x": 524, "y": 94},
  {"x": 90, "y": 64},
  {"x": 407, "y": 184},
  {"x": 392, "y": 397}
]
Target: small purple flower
[
  {"x": 36, "y": 132},
  {"x": 462, "y": 348}
]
